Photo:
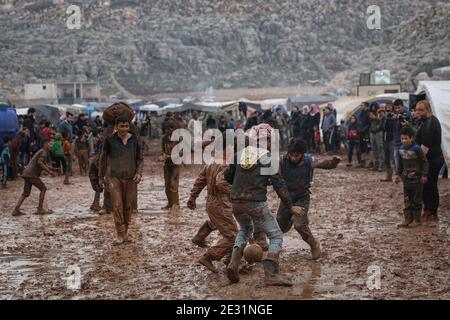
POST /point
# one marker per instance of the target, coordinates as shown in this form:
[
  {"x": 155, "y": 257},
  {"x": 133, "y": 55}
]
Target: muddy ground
[{"x": 352, "y": 214}]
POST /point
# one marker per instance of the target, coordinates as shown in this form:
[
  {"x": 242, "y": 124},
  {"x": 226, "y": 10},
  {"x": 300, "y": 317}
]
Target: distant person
[
  {"x": 328, "y": 125},
  {"x": 5, "y": 159},
  {"x": 388, "y": 123},
  {"x": 354, "y": 140},
  {"x": 65, "y": 128},
  {"x": 31, "y": 176},
  {"x": 376, "y": 139},
  {"x": 363, "y": 127},
  {"x": 171, "y": 170}
]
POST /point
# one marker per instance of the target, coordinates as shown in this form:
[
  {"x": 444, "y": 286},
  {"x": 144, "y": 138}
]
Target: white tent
[
  {"x": 438, "y": 93},
  {"x": 149, "y": 107}
]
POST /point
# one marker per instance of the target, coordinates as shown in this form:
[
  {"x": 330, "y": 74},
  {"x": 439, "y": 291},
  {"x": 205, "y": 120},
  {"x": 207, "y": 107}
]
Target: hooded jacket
[{"x": 248, "y": 183}]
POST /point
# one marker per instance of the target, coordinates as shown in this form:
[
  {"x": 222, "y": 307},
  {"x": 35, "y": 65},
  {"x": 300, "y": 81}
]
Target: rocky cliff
[{"x": 165, "y": 46}]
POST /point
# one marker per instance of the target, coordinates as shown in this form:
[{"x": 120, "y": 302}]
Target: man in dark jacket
[{"x": 429, "y": 138}]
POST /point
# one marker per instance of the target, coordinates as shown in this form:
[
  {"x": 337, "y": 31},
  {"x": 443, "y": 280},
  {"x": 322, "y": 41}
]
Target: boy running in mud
[
  {"x": 296, "y": 168},
  {"x": 31, "y": 176},
  {"x": 121, "y": 164},
  {"x": 249, "y": 201},
  {"x": 171, "y": 170},
  {"x": 219, "y": 209},
  {"x": 413, "y": 170}
]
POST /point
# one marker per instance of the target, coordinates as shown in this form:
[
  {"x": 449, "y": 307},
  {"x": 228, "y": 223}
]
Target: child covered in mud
[
  {"x": 95, "y": 180},
  {"x": 296, "y": 168},
  {"x": 219, "y": 210},
  {"x": 249, "y": 200},
  {"x": 171, "y": 170},
  {"x": 413, "y": 171},
  {"x": 31, "y": 176},
  {"x": 82, "y": 150},
  {"x": 120, "y": 167}
]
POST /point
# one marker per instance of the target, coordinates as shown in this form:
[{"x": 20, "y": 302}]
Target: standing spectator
[
  {"x": 317, "y": 139},
  {"x": 24, "y": 149},
  {"x": 231, "y": 124},
  {"x": 99, "y": 123},
  {"x": 328, "y": 124},
  {"x": 305, "y": 127},
  {"x": 80, "y": 124},
  {"x": 251, "y": 121},
  {"x": 47, "y": 133},
  {"x": 65, "y": 127},
  {"x": 429, "y": 138},
  {"x": 29, "y": 122},
  {"x": 388, "y": 123},
  {"x": 144, "y": 133},
  {"x": 354, "y": 140},
  {"x": 57, "y": 153},
  {"x": 343, "y": 133},
  {"x": 222, "y": 126},
  {"x": 5, "y": 159},
  {"x": 180, "y": 121},
  {"x": 403, "y": 118},
  {"x": 376, "y": 139},
  {"x": 14, "y": 147},
  {"x": 67, "y": 150},
  {"x": 211, "y": 122},
  {"x": 364, "y": 125},
  {"x": 315, "y": 123}
]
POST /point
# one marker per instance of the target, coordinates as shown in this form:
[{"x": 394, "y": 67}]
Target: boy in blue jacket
[{"x": 413, "y": 171}]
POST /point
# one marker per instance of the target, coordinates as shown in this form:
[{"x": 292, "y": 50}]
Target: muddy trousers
[
  {"x": 171, "y": 181},
  {"x": 430, "y": 189},
  {"x": 354, "y": 145},
  {"x": 122, "y": 195},
  {"x": 286, "y": 219},
  {"x": 412, "y": 193},
  {"x": 68, "y": 159},
  {"x": 220, "y": 214},
  {"x": 83, "y": 161},
  {"x": 376, "y": 141},
  {"x": 250, "y": 214}
]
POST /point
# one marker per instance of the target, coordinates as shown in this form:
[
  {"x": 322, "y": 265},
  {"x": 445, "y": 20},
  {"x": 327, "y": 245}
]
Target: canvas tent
[{"x": 438, "y": 93}]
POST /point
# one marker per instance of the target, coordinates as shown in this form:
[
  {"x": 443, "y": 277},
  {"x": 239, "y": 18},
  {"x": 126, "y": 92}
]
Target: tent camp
[
  {"x": 347, "y": 106},
  {"x": 438, "y": 93},
  {"x": 49, "y": 112}
]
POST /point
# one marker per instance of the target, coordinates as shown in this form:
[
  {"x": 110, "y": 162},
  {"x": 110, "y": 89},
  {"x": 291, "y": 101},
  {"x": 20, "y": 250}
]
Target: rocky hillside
[{"x": 165, "y": 46}]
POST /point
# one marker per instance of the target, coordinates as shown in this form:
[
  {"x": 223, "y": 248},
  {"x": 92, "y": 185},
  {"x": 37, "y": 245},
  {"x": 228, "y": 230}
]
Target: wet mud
[{"x": 353, "y": 215}]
